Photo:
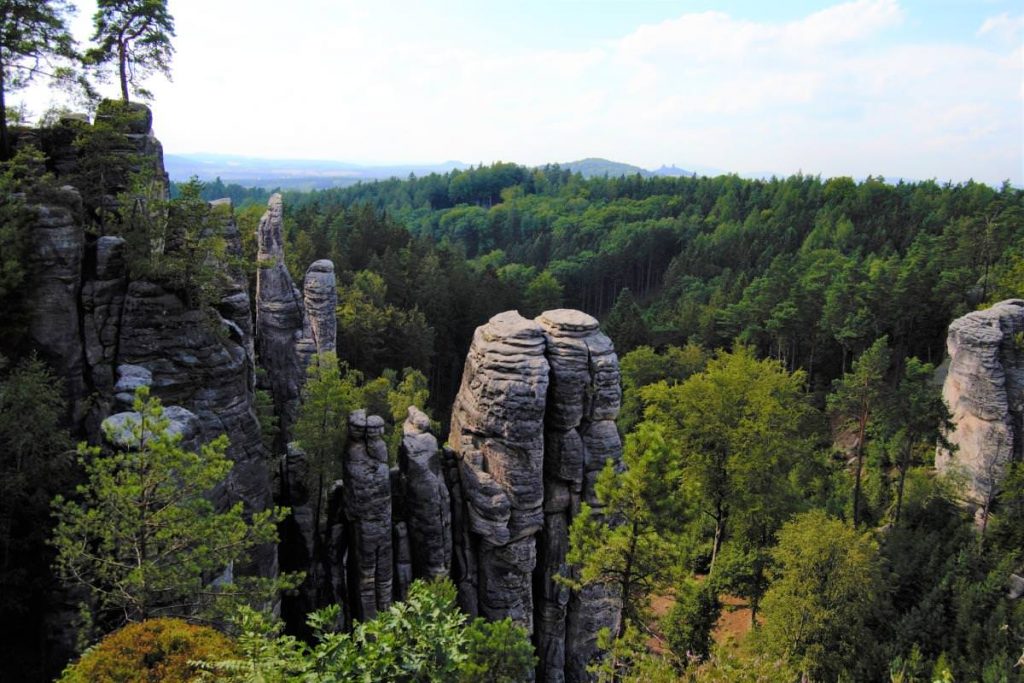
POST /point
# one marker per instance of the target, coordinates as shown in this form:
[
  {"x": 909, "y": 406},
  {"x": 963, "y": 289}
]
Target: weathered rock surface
[
  {"x": 235, "y": 305},
  {"x": 279, "y": 318},
  {"x": 55, "y": 267},
  {"x": 984, "y": 390},
  {"x": 427, "y": 502},
  {"x": 197, "y": 366},
  {"x": 102, "y": 300},
  {"x": 580, "y": 436},
  {"x": 367, "y": 505},
  {"x": 320, "y": 299},
  {"x": 297, "y": 533},
  {"x": 497, "y": 432},
  {"x": 124, "y": 429}
]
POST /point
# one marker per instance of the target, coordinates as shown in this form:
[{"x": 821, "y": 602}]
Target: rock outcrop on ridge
[
  {"x": 984, "y": 390},
  {"x": 427, "y": 501},
  {"x": 279, "y": 319}
]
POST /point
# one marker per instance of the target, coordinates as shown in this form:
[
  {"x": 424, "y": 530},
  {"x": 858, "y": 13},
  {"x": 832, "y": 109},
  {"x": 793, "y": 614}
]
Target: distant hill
[
  {"x": 291, "y": 174},
  {"x": 595, "y": 168}
]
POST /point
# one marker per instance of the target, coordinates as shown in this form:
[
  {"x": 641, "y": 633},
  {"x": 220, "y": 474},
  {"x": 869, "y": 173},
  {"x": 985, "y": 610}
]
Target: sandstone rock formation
[
  {"x": 497, "y": 431},
  {"x": 427, "y": 502},
  {"x": 320, "y": 299},
  {"x": 279, "y": 318},
  {"x": 58, "y": 243},
  {"x": 580, "y": 435},
  {"x": 102, "y": 300},
  {"x": 984, "y": 390},
  {"x": 367, "y": 505}
]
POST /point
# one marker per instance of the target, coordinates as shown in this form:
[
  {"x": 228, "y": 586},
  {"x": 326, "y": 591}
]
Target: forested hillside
[{"x": 805, "y": 270}]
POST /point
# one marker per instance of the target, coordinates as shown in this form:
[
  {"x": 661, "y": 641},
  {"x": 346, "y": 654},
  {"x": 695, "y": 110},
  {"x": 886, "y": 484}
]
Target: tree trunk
[
  {"x": 719, "y": 533},
  {"x": 904, "y": 466},
  {"x": 860, "y": 466},
  {"x": 122, "y": 65}
]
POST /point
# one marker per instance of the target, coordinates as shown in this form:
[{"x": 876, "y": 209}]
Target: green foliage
[
  {"x": 33, "y": 33},
  {"x": 153, "y": 650},
  {"x": 544, "y": 293},
  {"x": 497, "y": 652},
  {"x": 35, "y": 464},
  {"x": 855, "y": 400},
  {"x": 141, "y": 535},
  {"x": 135, "y": 36},
  {"x": 625, "y": 323},
  {"x": 425, "y": 638},
  {"x": 643, "y": 366},
  {"x": 690, "y": 620},
  {"x": 739, "y": 431},
  {"x": 626, "y": 545},
  {"x": 819, "y": 610}
]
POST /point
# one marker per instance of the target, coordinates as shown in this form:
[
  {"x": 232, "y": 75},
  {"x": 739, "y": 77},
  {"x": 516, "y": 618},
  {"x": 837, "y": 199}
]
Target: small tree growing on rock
[{"x": 143, "y": 537}]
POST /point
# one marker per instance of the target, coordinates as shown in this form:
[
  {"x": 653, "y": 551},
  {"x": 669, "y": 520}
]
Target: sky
[{"x": 896, "y": 88}]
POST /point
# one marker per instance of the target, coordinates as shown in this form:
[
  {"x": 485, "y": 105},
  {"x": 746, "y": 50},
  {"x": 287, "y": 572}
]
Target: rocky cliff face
[
  {"x": 532, "y": 425},
  {"x": 984, "y": 390}
]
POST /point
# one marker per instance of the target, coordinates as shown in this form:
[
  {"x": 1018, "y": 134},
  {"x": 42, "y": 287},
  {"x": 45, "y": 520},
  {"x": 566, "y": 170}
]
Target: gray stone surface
[
  {"x": 427, "y": 501},
  {"x": 497, "y": 431},
  {"x": 125, "y": 429},
  {"x": 279, "y": 318},
  {"x": 55, "y": 287},
  {"x": 984, "y": 389},
  {"x": 580, "y": 436},
  {"x": 195, "y": 365},
  {"x": 367, "y": 505},
  {"x": 320, "y": 299}
]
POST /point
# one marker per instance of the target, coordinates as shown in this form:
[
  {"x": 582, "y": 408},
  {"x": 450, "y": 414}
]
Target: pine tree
[{"x": 135, "y": 35}]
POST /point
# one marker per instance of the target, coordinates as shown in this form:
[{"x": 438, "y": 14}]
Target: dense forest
[
  {"x": 223, "y": 415},
  {"x": 777, "y": 514}
]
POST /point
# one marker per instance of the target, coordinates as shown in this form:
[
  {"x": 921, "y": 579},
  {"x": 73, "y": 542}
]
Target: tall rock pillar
[
  {"x": 579, "y": 437},
  {"x": 279, "y": 319},
  {"x": 497, "y": 433},
  {"x": 984, "y": 390}
]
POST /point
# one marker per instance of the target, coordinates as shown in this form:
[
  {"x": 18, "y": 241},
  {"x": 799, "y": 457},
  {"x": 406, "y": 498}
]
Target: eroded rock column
[
  {"x": 320, "y": 299},
  {"x": 367, "y": 505},
  {"x": 279, "y": 319},
  {"x": 427, "y": 501},
  {"x": 580, "y": 436},
  {"x": 984, "y": 390},
  {"x": 497, "y": 434}
]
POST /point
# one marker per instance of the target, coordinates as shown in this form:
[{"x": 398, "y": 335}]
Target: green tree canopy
[
  {"x": 142, "y": 536},
  {"x": 32, "y": 34},
  {"x": 136, "y": 36},
  {"x": 819, "y": 609}
]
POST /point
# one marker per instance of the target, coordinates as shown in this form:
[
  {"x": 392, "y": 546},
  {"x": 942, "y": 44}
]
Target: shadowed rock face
[
  {"x": 984, "y": 389},
  {"x": 102, "y": 300},
  {"x": 580, "y": 436},
  {"x": 279, "y": 318},
  {"x": 497, "y": 433},
  {"x": 367, "y": 503},
  {"x": 55, "y": 264},
  {"x": 320, "y": 299},
  {"x": 427, "y": 502}
]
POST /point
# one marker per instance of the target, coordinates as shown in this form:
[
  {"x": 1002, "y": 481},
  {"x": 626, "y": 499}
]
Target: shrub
[{"x": 150, "y": 651}]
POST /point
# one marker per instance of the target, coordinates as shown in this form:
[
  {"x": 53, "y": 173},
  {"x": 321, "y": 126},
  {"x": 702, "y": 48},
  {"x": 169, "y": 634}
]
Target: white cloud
[
  {"x": 1003, "y": 27},
  {"x": 837, "y": 91}
]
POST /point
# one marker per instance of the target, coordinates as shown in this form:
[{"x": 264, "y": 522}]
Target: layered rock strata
[
  {"x": 320, "y": 324},
  {"x": 579, "y": 437},
  {"x": 984, "y": 389},
  {"x": 279, "y": 319},
  {"x": 55, "y": 267},
  {"x": 367, "y": 506},
  {"x": 426, "y": 501},
  {"x": 497, "y": 431}
]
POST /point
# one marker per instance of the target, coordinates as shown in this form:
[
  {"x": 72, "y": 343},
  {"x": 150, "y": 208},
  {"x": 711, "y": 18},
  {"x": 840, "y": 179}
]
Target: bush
[{"x": 150, "y": 651}]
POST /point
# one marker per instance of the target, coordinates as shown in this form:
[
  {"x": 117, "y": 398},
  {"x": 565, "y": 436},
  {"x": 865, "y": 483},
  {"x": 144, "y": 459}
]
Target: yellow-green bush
[{"x": 150, "y": 651}]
